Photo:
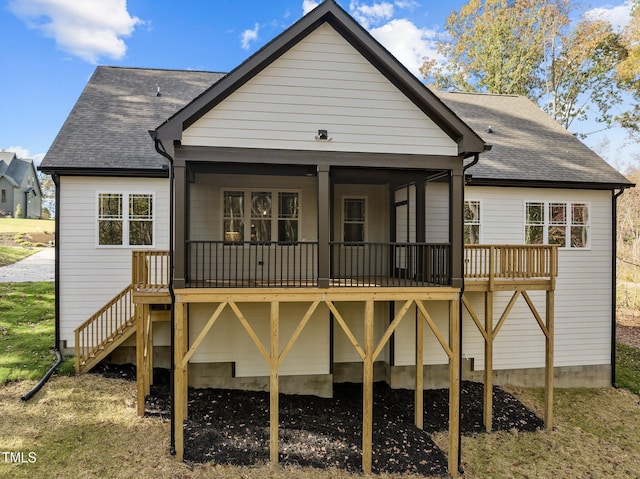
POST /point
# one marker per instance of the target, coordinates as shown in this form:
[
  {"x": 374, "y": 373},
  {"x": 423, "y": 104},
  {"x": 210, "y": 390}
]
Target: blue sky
[{"x": 49, "y": 48}]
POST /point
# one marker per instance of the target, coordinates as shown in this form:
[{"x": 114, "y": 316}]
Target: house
[
  {"x": 302, "y": 220},
  {"x": 19, "y": 185}
]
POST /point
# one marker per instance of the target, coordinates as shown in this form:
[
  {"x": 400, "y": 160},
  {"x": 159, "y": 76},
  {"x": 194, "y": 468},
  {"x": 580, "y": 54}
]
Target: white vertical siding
[
  {"x": 320, "y": 83},
  {"x": 89, "y": 275}
]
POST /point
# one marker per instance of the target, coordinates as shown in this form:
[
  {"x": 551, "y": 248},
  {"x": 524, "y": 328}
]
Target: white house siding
[
  {"x": 227, "y": 341},
  {"x": 582, "y": 297},
  {"x": 583, "y": 294},
  {"x": 320, "y": 83},
  {"x": 91, "y": 275}
]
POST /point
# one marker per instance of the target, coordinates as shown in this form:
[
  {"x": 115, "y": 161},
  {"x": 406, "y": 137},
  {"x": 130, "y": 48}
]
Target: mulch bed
[{"x": 232, "y": 427}]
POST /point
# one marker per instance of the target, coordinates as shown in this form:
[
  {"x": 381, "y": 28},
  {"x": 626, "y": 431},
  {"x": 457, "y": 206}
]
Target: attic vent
[
  {"x": 158, "y": 92},
  {"x": 489, "y": 129}
]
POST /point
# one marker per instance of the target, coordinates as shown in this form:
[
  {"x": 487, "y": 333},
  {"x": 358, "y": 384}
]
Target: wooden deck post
[
  {"x": 548, "y": 403},
  {"x": 179, "y": 380},
  {"x": 488, "y": 361},
  {"x": 367, "y": 389},
  {"x": 141, "y": 370},
  {"x": 273, "y": 382},
  {"x": 148, "y": 349},
  {"x": 454, "y": 387},
  {"x": 419, "y": 378}
]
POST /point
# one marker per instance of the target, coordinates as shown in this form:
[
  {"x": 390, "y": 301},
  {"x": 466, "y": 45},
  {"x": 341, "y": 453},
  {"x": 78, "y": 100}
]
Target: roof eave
[
  {"x": 575, "y": 185},
  {"x": 117, "y": 172}
]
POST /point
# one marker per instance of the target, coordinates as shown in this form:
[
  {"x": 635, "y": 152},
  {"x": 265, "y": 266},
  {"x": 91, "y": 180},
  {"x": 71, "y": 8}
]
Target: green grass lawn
[
  {"x": 628, "y": 368},
  {"x": 11, "y": 254},
  {"x": 27, "y": 331},
  {"x": 19, "y": 225}
]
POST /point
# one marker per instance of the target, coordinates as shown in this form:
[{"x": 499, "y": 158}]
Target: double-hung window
[
  {"x": 261, "y": 216},
  {"x": 562, "y": 223},
  {"x": 125, "y": 219}
]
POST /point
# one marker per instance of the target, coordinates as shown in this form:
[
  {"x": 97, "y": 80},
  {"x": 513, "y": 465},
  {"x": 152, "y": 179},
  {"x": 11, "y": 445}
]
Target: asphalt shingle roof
[
  {"x": 14, "y": 169},
  {"x": 527, "y": 143},
  {"x": 108, "y": 129}
]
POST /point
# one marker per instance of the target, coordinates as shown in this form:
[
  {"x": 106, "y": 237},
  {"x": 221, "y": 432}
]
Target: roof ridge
[
  {"x": 186, "y": 70},
  {"x": 510, "y": 95}
]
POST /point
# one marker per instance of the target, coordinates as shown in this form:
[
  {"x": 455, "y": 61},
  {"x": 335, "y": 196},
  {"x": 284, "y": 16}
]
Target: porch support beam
[
  {"x": 179, "y": 392},
  {"x": 454, "y": 387},
  {"x": 548, "y": 399},
  {"x": 456, "y": 239},
  {"x": 274, "y": 366},
  {"x": 488, "y": 361},
  {"x": 367, "y": 390},
  {"x": 180, "y": 227},
  {"x": 140, "y": 363},
  {"x": 324, "y": 226},
  {"x": 419, "y": 377}
]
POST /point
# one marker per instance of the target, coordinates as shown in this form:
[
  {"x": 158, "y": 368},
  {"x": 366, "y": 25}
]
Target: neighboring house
[
  {"x": 322, "y": 197},
  {"x": 19, "y": 185}
]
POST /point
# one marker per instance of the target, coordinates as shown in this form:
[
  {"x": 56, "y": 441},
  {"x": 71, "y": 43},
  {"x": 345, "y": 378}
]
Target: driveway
[{"x": 37, "y": 267}]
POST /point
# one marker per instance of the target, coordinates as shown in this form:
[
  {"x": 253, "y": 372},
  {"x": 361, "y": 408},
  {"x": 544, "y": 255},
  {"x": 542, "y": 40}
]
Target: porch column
[
  {"x": 179, "y": 214},
  {"x": 456, "y": 236},
  {"x": 324, "y": 226}
]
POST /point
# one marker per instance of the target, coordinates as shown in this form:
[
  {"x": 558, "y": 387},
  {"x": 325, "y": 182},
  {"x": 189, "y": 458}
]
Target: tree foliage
[
  {"x": 629, "y": 70},
  {"x": 530, "y": 48}
]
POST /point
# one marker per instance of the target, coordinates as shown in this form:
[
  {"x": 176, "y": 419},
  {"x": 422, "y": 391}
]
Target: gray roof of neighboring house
[
  {"x": 108, "y": 130},
  {"x": 528, "y": 145},
  {"x": 13, "y": 168},
  {"x": 108, "y": 126}
]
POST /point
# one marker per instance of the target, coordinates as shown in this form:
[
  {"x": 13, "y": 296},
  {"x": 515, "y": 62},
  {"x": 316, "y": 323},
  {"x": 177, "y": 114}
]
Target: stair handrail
[{"x": 104, "y": 325}]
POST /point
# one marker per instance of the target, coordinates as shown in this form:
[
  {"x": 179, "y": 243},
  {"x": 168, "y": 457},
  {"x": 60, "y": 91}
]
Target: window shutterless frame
[
  {"x": 354, "y": 222},
  {"x": 125, "y": 219},
  {"x": 261, "y": 215},
  {"x": 564, "y": 223}
]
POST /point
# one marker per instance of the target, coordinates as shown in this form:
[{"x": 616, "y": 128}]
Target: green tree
[{"x": 530, "y": 48}]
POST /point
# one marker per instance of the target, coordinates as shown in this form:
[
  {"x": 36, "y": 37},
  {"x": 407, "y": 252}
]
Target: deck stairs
[{"x": 103, "y": 332}]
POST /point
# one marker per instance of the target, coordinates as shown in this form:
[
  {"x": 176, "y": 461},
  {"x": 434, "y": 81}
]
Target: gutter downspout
[
  {"x": 476, "y": 159},
  {"x": 56, "y": 346},
  {"x": 160, "y": 149},
  {"x": 614, "y": 254}
]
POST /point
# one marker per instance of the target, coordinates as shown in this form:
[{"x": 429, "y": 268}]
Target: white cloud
[
  {"x": 617, "y": 15},
  {"x": 408, "y": 43},
  {"x": 249, "y": 36},
  {"x": 369, "y": 15},
  {"x": 23, "y": 153},
  {"x": 308, "y": 5},
  {"x": 88, "y": 29}
]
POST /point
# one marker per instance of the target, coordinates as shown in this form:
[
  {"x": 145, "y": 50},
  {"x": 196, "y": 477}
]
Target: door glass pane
[{"x": 261, "y": 216}]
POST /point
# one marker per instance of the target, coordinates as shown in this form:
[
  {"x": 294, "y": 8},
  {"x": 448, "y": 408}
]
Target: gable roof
[
  {"x": 107, "y": 128},
  {"x": 15, "y": 169},
  {"x": 529, "y": 147},
  {"x": 328, "y": 12}
]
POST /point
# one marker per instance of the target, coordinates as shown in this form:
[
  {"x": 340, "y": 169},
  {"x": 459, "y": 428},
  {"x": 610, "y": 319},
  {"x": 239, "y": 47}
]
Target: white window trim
[
  {"x": 480, "y": 220},
  {"x": 366, "y": 215},
  {"x": 546, "y": 224},
  {"x": 274, "y": 211},
  {"x": 125, "y": 219}
]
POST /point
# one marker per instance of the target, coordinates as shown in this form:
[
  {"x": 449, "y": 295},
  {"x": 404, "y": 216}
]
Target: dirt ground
[
  {"x": 628, "y": 327},
  {"x": 6, "y": 239}
]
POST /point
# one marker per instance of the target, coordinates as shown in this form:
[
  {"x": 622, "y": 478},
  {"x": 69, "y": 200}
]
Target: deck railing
[
  {"x": 150, "y": 270},
  {"x": 212, "y": 264},
  {"x": 491, "y": 262},
  {"x": 245, "y": 264},
  {"x": 389, "y": 264},
  {"x": 104, "y": 326}
]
